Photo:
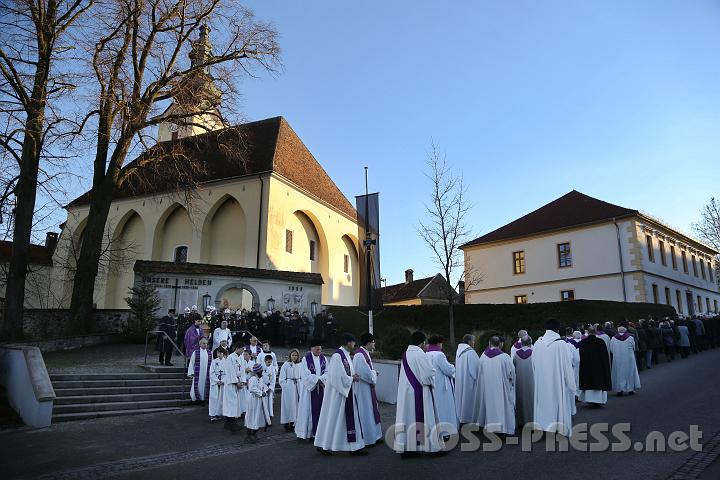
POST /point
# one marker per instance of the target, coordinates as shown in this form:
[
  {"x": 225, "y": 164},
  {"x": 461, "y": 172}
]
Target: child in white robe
[
  {"x": 290, "y": 377},
  {"x": 218, "y": 372},
  {"x": 256, "y": 416},
  {"x": 233, "y": 392},
  {"x": 269, "y": 377}
]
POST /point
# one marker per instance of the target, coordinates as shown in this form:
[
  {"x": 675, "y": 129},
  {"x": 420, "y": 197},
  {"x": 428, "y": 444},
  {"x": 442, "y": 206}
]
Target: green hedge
[{"x": 485, "y": 320}]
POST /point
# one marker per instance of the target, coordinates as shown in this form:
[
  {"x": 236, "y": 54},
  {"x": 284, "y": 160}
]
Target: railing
[{"x": 167, "y": 337}]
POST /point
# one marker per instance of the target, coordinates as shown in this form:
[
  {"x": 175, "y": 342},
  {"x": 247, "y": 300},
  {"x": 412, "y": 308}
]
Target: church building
[{"x": 264, "y": 225}]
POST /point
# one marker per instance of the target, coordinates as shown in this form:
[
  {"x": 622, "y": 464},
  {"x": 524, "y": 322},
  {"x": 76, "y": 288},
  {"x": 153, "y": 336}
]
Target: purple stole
[
  {"x": 572, "y": 342},
  {"x": 257, "y": 349},
  {"x": 517, "y": 345},
  {"x": 349, "y": 402},
  {"x": 196, "y": 378},
  {"x": 622, "y": 336},
  {"x": 492, "y": 352},
  {"x": 524, "y": 354},
  {"x": 376, "y": 411},
  {"x": 316, "y": 396},
  {"x": 419, "y": 405}
]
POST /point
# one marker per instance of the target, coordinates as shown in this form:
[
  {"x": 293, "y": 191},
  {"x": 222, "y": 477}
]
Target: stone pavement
[{"x": 185, "y": 444}]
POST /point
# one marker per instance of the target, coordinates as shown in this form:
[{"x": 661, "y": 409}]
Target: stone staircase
[{"x": 95, "y": 395}]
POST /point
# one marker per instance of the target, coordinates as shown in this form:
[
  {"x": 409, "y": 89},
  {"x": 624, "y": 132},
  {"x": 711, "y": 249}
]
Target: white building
[{"x": 578, "y": 247}]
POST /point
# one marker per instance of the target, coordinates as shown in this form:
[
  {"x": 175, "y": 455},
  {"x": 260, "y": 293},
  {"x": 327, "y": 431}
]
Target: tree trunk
[
  {"x": 81, "y": 303},
  {"x": 25, "y": 194},
  {"x": 451, "y": 318}
]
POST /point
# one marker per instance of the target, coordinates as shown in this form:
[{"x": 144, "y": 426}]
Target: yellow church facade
[{"x": 268, "y": 226}]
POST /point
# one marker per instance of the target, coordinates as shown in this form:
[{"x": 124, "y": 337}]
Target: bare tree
[
  {"x": 708, "y": 229},
  {"x": 139, "y": 63},
  {"x": 445, "y": 230},
  {"x": 32, "y": 38}
]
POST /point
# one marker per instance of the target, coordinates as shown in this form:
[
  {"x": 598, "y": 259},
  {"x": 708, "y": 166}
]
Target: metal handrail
[{"x": 147, "y": 335}]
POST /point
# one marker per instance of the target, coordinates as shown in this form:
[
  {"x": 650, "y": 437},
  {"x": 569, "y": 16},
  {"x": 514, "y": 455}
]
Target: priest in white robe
[
  {"x": 554, "y": 383},
  {"x": 368, "y": 407},
  {"x": 517, "y": 344},
  {"x": 233, "y": 393},
  {"x": 467, "y": 382},
  {"x": 444, "y": 391},
  {"x": 222, "y": 333},
  {"x": 290, "y": 378},
  {"x": 314, "y": 376},
  {"x": 339, "y": 428},
  {"x": 199, "y": 371},
  {"x": 524, "y": 382},
  {"x": 602, "y": 335},
  {"x": 625, "y": 378},
  {"x": 497, "y": 390},
  {"x": 416, "y": 421},
  {"x": 218, "y": 373}
]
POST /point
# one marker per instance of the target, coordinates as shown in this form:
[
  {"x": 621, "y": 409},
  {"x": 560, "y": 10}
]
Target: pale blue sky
[{"x": 529, "y": 100}]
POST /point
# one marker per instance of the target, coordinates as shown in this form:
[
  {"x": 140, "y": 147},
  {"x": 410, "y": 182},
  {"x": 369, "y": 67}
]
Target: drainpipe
[
  {"x": 622, "y": 268},
  {"x": 262, "y": 193}
]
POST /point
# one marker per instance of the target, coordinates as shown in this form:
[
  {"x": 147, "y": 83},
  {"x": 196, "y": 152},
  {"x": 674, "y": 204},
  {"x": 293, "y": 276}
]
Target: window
[
  {"x": 312, "y": 250},
  {"x": 715, "y": 303},
  {"x": 346, "y": 263},
  {"x": 710, "y": 269},
  {"x": 656, "y": 297},
  {"x": 661, "y": 246},
  {"x": 288, "y": 240},
  {"x": 700, "y": 304},
  {"x": 694, "y": 264},
  {"x": 684, "y": 259},
  {"x": 651, "y": 251},
  {"x": 520, "y": 299},
  {"x": 672, "y": 257},
  {"x": 679, "y": 301},
  {"x": 180, "y": 255},
  {"x": 567, "y": 295},
  {"x": 519, "y": 262},
  {"x": 707, "y": 303},
  {"x": 702, "y": 269},
  {"x": 564, "y": 255},
  {"x": 667, "y": 296}
]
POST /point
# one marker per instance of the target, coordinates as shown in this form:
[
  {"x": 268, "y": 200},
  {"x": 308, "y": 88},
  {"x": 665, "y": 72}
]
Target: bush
[
  {"x": 484, "y": 320},
  {"x": 394, "y": 342},
  {"x": 143, "y": 304}
]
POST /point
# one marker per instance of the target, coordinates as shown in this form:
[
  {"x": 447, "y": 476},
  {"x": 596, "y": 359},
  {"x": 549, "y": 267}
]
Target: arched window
[{"x": 180, "y": 254}]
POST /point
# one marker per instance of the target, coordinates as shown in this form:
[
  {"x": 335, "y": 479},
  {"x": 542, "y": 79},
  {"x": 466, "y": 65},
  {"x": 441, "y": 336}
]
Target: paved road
[{"x": 184, "y": 444}]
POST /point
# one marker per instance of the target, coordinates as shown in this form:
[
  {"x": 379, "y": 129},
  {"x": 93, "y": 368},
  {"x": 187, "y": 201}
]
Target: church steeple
[{"x": 201, "y": 48}]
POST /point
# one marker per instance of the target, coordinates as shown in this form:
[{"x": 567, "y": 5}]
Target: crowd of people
[{"x": 333, "y": 403}]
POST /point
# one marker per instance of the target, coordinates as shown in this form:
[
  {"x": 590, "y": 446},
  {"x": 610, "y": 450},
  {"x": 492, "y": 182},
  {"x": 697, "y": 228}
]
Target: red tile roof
[
  {"x": 39, "y": 254},
  {"x": 572, "y": 209},
  {"x": 268, "y": 145},
  {"x": 404, "y": 291}
]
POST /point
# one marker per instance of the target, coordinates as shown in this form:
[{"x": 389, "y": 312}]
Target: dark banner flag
[{"x": 368, "y": 209}]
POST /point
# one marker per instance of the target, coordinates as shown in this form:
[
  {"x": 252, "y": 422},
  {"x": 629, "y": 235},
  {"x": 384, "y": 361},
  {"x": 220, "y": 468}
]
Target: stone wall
[{"x": 43, "y": 324}]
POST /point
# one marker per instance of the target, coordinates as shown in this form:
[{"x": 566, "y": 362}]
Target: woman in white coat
[{"x": 290, "y": 377}]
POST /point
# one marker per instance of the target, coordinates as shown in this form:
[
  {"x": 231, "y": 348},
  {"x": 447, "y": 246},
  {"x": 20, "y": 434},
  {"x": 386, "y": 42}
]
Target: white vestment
[
  {"x": 332, "y": 432},
  {"x": 218, "y": 374},
  {"x": 234, "y": 402},
  {"x": 524, "y": 386},
  {"x": 268, "y": 379},
  {"x": 372, "y": 431},
  {"x": 497, "y": 394},
  {"x": 290, "y": 378},
  {"x": 554, "y": 384},
  {"x": 414, "y": 433},
  {"x": 625, "y": 376},
  {"x": 203, "y": 374},
  {"x": 219, "y": 335},
  {"x": 309, "y": 382},
  {"x": 256, "y": 416},
  {"x": 593, "y": 396},
  {"x": 467, "y": 383},
  {"x": 444, "y": 392},
  {"x": 605, "y": 338},
  {"x": 574, "y": 356}
]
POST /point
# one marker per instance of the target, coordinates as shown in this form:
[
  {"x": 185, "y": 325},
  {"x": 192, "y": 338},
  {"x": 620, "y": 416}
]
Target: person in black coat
[
  {"x": 595, "y": 373},
  {"x": 164, "y": 345}
]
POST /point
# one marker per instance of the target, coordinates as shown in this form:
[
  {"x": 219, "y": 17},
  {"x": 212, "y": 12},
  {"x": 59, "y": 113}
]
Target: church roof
[
  {"x": 38, "y": 254},
  {"x": 263, "y": 146},
  {"x": 404, "y": 291},
  {"x": 149, "y": 267},
  {"x": 570, "y": 210}
]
